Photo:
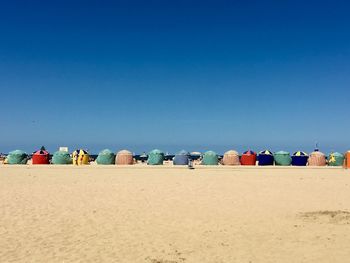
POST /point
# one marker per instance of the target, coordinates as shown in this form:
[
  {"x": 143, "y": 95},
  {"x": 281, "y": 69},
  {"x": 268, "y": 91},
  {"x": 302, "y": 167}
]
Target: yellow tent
[{"x": 80, "y": 157}]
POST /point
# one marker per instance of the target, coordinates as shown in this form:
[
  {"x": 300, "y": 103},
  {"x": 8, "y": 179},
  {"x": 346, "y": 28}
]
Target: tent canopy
[
  {"x": 300, "y": 153},
  {"x": 266, "y": 152},
  {"x": 249, "y": 152},
  {"x": 41, "y": 152},
  {"x": 231, "y": 152},
  {"x": 183, "y": 152}
]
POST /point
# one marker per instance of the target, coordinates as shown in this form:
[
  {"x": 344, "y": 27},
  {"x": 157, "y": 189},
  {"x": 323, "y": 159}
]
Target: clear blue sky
[{"x": 175, "y": 74}]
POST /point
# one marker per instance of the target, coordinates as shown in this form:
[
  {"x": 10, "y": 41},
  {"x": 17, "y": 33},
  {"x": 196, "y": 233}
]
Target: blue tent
[
  {"x": 181, "y": 158},
  {"x": 299, "y": 158},
  {"x": 265, "y": 158}
]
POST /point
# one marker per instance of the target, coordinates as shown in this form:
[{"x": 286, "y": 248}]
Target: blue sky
[{"x": 197, "y": 75}]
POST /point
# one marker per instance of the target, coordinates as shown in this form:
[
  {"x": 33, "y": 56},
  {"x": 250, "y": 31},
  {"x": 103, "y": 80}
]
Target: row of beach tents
[
  {"x": 156, "y": 157},
  {"x": 78, "y": 157}
]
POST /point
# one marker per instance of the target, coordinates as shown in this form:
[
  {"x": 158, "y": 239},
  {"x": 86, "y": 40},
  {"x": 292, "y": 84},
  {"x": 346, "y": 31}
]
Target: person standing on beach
[{"x": 76, "y": 156}]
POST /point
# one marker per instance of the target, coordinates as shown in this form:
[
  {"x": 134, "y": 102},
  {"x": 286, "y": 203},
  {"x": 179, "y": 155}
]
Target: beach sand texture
[{"x": 170, "y": 214}]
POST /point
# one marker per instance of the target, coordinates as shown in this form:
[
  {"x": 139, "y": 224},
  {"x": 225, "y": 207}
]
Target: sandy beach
[{"x": 170, "y": 214}]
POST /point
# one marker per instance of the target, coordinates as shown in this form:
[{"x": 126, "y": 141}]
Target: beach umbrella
[
  {"x": 231, "y": 158},
  {"x": 317, "y": 158},
  {"x": 265, "y": 158},
  {"x": 80, "y": 157},
  {"x": 210, "y": 158},
  {"x": 181, "y": 158},
  {"x": 248, "y": 158},
  {"x": 195, "y": 155},
  {"x": 336, "y": 159},
  {"x": 61, "y": 157},
  {"x": 300, "y": 158},
  {"x": 124, "y": 157},
  {"x": 106, "y": 157},
  {"x": 155, "y": 157},
  {"x": 41, "y": 157},
  {"x": 17, "y": 157},
  {"x": 282, "y": 158}
]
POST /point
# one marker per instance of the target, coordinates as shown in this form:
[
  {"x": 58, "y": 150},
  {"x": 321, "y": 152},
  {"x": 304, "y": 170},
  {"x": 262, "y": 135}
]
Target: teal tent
[
  {"x": 106, "y": 157},
  {"x": 17, "y": 157},
  {"x": 61, "y": 157},
  {"x": 155, "y": 157},
  {"x": 336, "y": 159},
  {"x": 210, "y": 158},
  {"x": 282, "y": 158}
]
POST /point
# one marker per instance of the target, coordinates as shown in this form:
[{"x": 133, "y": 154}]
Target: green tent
[
  {"x": 106, "y": 157},
  {"x": 61, "y": 157},
  {"x": 155, "y": 157},
  {"x": 282, "y": 158},
  {"x": 210, "y": 158},
  {"x": 17, "y": 157},
  {"x": 336, "y": 159}
]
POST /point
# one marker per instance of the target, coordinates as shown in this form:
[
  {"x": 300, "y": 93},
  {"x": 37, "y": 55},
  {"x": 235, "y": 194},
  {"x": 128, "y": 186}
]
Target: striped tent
[
  {"x": 317, "y": 158},
  {"x": 231, "y": 158},
  {"x": 124, "y": 157},
  {"x": 181, "y": 158},
  {"x": 282, "y": 158},
  {"x": 80, "y": 157},
  {"x": 336, "y": 159},
  {"x": 265, "y": 158},
  {"x": 248, "y": 158},
  {"x": 300, "y": 158}
]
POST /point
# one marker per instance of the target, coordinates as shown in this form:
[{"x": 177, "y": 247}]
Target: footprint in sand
[{"x": 338, "y": 217}]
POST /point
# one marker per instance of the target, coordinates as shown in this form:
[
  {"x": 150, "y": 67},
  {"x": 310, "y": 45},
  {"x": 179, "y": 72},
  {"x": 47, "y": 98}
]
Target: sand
[{"x": 168, "y": 214}]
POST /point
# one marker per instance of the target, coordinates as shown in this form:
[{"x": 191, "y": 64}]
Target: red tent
[
  {"x": 41, "y": 157},
  {"x": 248, "y": 158}
]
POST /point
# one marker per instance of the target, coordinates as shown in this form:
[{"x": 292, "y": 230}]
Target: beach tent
[
  {"x": 155, "y": 157},
  {"x": 317, "y": 158},
  {"x": 17, "y": 157},
  {"x": 282, "y": 158},
  {"x": 181, "y": 158},
  {"x": 336, "y": 159},
  {"x": 265, "y": 158},
  {"x": 41, "y": 157},
  {"x": 61, "y": 157},
  {"x": 248, "y": 158},
  {"x": 210, "y": 158},
  {"x": 124, "y": 157},
  {"x": 347, "y": 159},
  {"x": 300, "y": 158},
  {"x": 80, "y": 157},
  {"x": 231, "y": 158},
  {"x": 106, "y": 157}
]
